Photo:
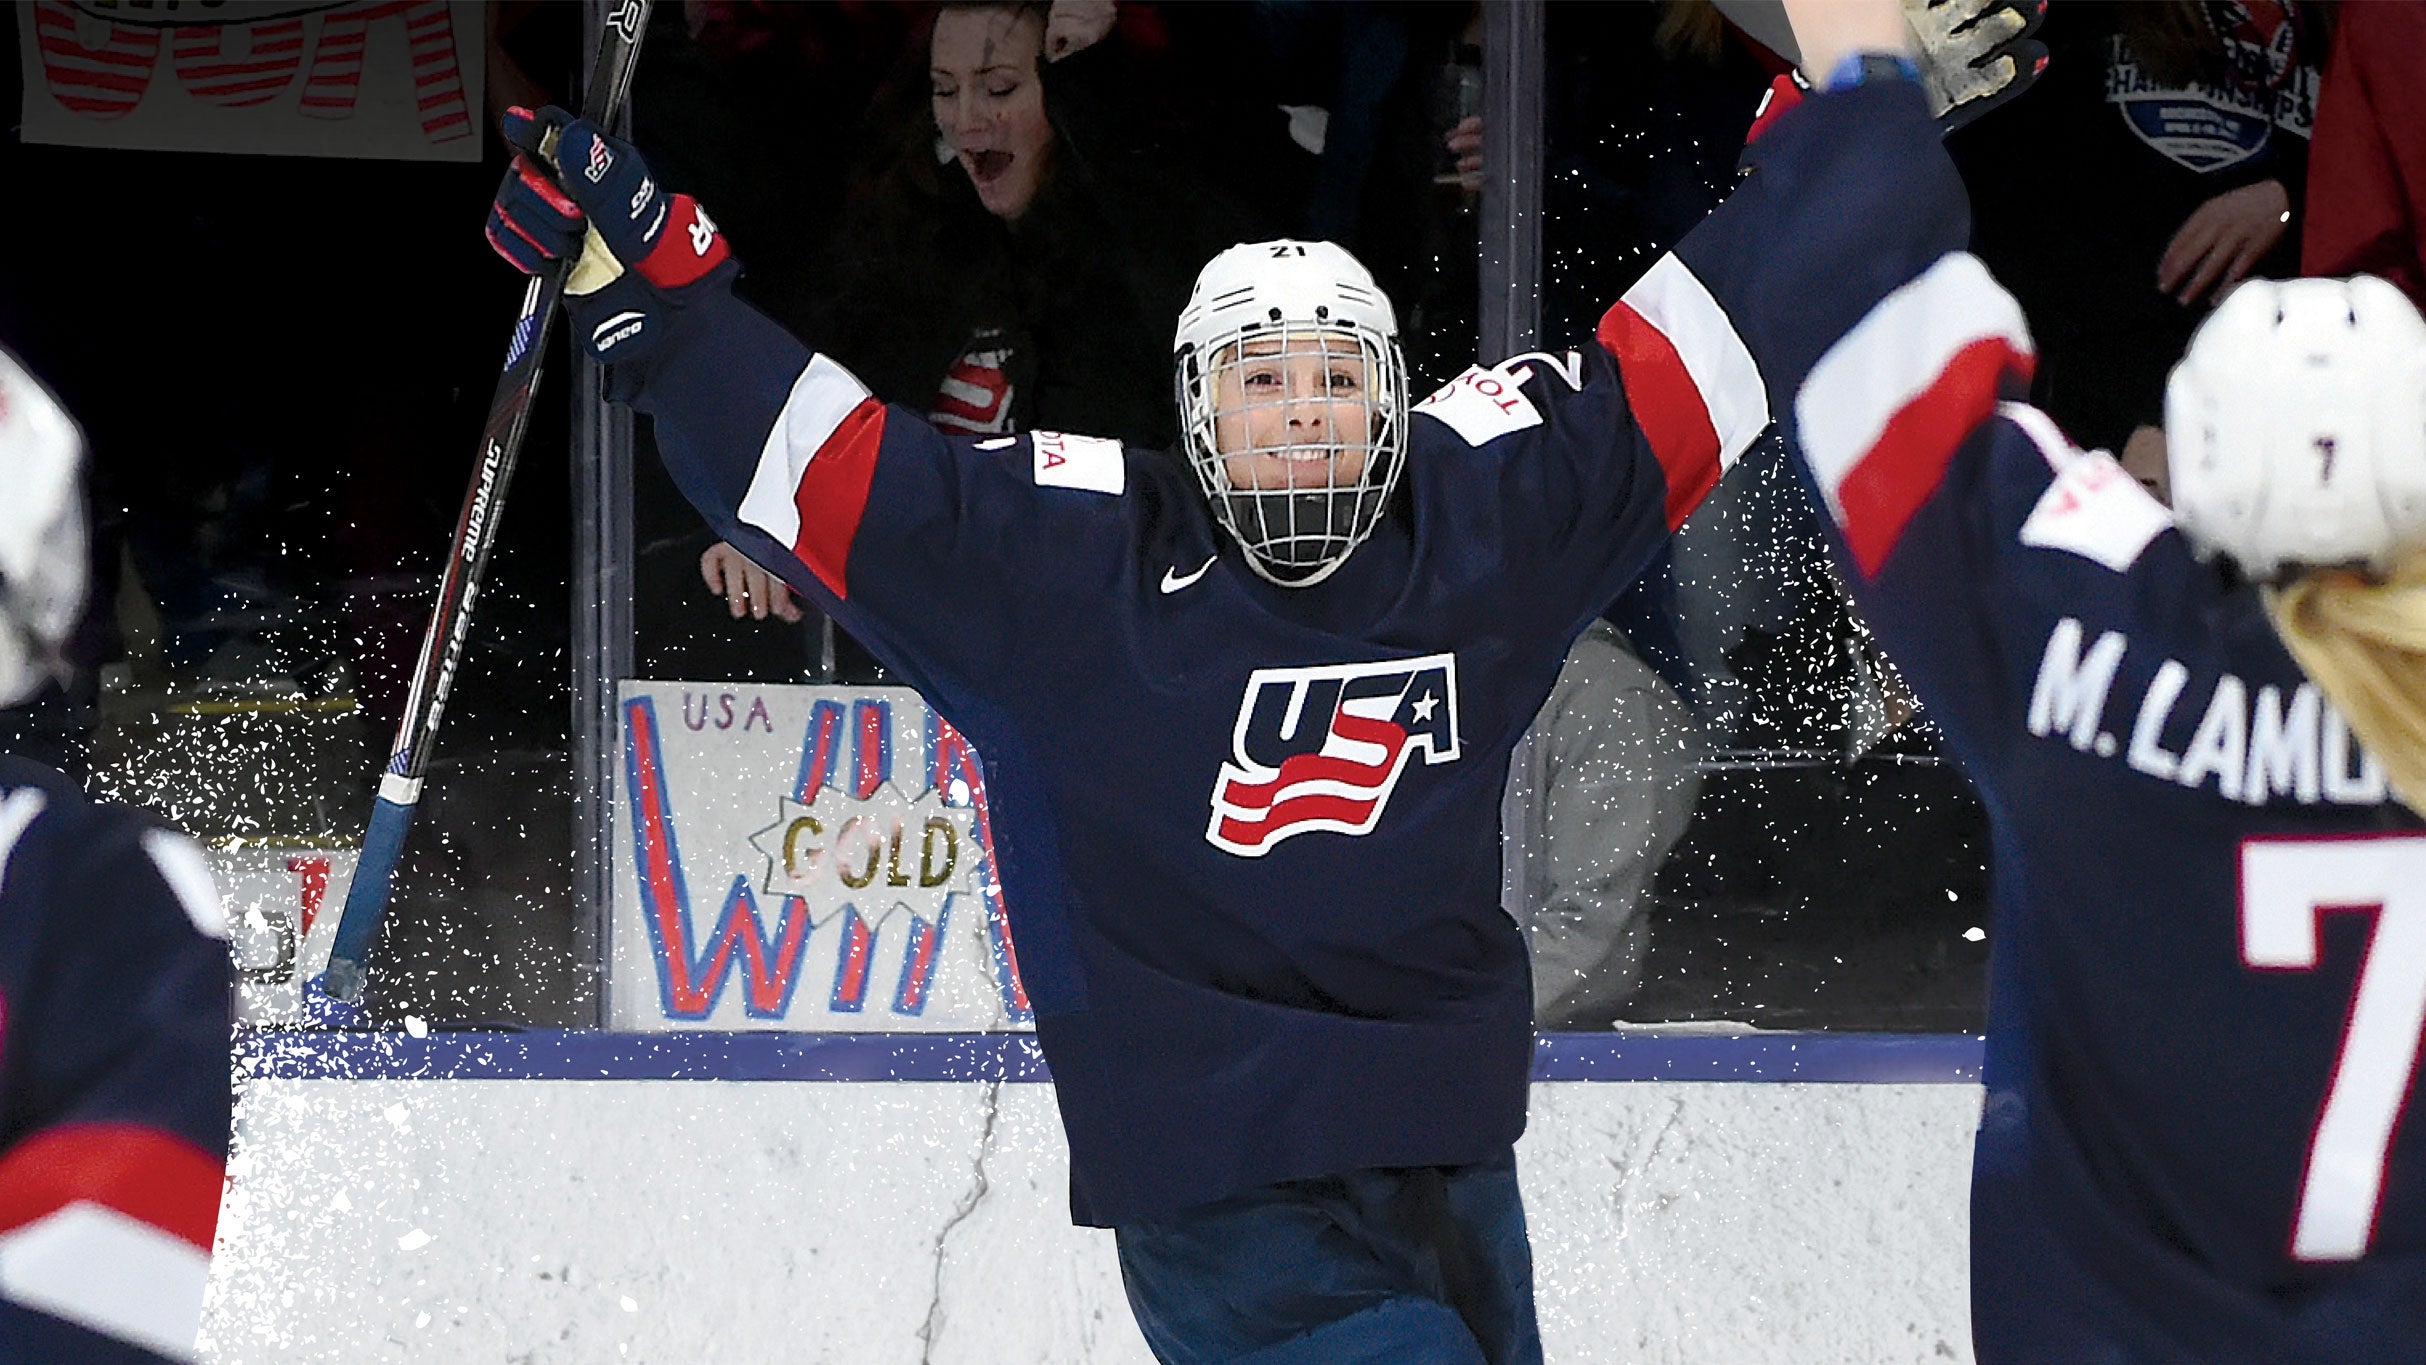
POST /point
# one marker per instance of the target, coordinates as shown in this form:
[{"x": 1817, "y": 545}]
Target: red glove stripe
[
  {"x": 536, "y": 244},
  {"x": 546, "y": 189},
  {"x": 518, "y": 125},
  {"x": 688, "y": 247}
]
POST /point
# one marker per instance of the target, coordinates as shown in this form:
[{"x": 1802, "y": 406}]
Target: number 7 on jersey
[{"x": 2287, "y": 886}]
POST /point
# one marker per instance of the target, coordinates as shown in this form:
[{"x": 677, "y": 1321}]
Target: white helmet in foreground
[
  {"x": 42, "y": 564},
  {"x": 1292, "y": 402},
  {"x": 2295, "y": 427}
]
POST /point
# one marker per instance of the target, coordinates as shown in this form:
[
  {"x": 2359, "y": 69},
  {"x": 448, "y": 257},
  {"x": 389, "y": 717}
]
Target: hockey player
[
  {"x": 114, "y": 991},
  {"x": 1246, "y": 714},
  {"x": 2201, "y": 738}
]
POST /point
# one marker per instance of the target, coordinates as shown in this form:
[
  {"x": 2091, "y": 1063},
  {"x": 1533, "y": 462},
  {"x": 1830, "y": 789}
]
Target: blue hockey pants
[{"x": 1411, "y": 1266}]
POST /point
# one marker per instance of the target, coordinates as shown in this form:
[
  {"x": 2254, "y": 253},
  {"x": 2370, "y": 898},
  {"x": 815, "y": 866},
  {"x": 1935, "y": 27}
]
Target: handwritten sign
[{"x": 810, "y": 858}]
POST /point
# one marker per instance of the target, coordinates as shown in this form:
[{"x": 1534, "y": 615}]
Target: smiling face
[
  {"x": 989, "y": 103},
  {"x": 1293, "y": 413}
]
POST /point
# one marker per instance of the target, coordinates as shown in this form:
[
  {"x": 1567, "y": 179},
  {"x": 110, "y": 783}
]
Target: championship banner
[
  {"x": 385, "y": 79},
  {"x": 2209, "y": 125},
  {"x": 282, "y": 906},
  {"x": 810, "y": 858}
]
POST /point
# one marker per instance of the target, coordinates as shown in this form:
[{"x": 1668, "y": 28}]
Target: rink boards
[{"x": 769, "y": 1197}]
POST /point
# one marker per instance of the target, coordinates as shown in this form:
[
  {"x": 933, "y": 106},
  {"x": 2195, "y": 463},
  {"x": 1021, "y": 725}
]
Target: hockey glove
[
  {"x": 573, "y": 192},
  {"x": 1975, "y": 54}
]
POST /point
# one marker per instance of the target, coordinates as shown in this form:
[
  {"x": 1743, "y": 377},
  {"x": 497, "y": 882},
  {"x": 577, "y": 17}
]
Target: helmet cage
[{"x": 1318, "y": 484}]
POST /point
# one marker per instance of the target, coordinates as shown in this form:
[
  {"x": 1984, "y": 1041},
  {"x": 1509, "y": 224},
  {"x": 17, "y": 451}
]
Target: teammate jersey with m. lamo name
[
  {"x": 2209, "y": 973},
  {"x": 1248, "y": 836}
]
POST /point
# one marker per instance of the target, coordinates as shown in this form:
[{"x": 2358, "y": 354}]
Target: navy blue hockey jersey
[
  {"x": 114, "y": 1021},
  {"x": 2209, "y": 977},
  {"x": 1249, "y": 835}
]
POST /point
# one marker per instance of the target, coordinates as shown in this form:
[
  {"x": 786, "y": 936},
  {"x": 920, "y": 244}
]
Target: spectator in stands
[
  {"x": 2366, "y": 203},
  {"x": 1005, "y": 262},
  {"x": 1642, "y": 126},
  {"x": 747, "y": 589},
  {"x": 2162, "y": 160},
  {"x": 1368, "y": 91},
  {"x": 1612, "y": 759},
  {"x": 1641, "y": 145}
]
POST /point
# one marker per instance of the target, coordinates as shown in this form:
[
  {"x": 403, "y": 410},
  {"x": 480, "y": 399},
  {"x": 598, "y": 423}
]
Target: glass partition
[
  {"x": 1742, "y": 816},
  {"x": 995, "y": 225},
  {"x": 1730, "y": 812},
  {"x": 282, "y": 411}
]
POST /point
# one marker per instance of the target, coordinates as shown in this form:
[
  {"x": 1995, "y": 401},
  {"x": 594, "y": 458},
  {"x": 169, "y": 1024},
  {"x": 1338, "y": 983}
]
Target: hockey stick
[{"x": 475, "y": 535}]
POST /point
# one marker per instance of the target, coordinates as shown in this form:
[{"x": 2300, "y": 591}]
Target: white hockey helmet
[
  {"x": 42, "y": 555},
  {"x": 1304, "y": 476},
  {"x": 2295, "y": 427}
]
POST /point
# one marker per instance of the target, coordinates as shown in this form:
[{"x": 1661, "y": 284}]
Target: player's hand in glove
[
  {"x": 1975, "y": 54},
  {"x": 639, "y": 252}
]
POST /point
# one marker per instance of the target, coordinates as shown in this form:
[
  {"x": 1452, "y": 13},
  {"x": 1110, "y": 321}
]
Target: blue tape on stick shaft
[{"x": 366, "y": 899}]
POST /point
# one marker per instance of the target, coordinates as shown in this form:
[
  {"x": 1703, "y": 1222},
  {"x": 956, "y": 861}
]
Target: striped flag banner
[{"x": 376, "y": 79}]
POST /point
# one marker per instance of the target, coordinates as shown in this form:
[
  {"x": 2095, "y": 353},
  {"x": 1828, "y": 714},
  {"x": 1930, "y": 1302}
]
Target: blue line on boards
[{"x": 590, "y": 1055}]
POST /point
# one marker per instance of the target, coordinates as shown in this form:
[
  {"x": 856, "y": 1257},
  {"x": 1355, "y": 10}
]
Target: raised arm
[
  {"x": 1895, "y": 366},
  {"x": 1826, "y": 32},
  {"x": 1850, "y": 199},
  {"x": 930, "y": 549},
  {"x": 1850, "y": 202},
  {"x": 1832, "y": 293}
]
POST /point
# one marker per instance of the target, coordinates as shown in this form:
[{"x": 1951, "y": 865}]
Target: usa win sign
[
  {"x": 391, "y": 79},
  {"x": 804, "y": 858}
]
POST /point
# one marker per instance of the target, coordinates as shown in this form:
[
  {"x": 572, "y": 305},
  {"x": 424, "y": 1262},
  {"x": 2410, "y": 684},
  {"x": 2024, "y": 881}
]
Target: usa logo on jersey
[{"x": 1322, "y": 747}]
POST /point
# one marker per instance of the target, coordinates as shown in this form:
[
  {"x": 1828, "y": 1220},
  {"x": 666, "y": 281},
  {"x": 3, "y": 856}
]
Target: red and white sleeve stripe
[
  {"x": 811, "y": 486},
  {"x": 109, "y": 1226},
  {"x": 1689, "y": 378},
  {"x": 1882, "y": 413}
]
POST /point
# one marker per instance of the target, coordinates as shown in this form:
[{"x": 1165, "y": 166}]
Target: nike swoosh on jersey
[{"x": 1173, "y": 580}]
